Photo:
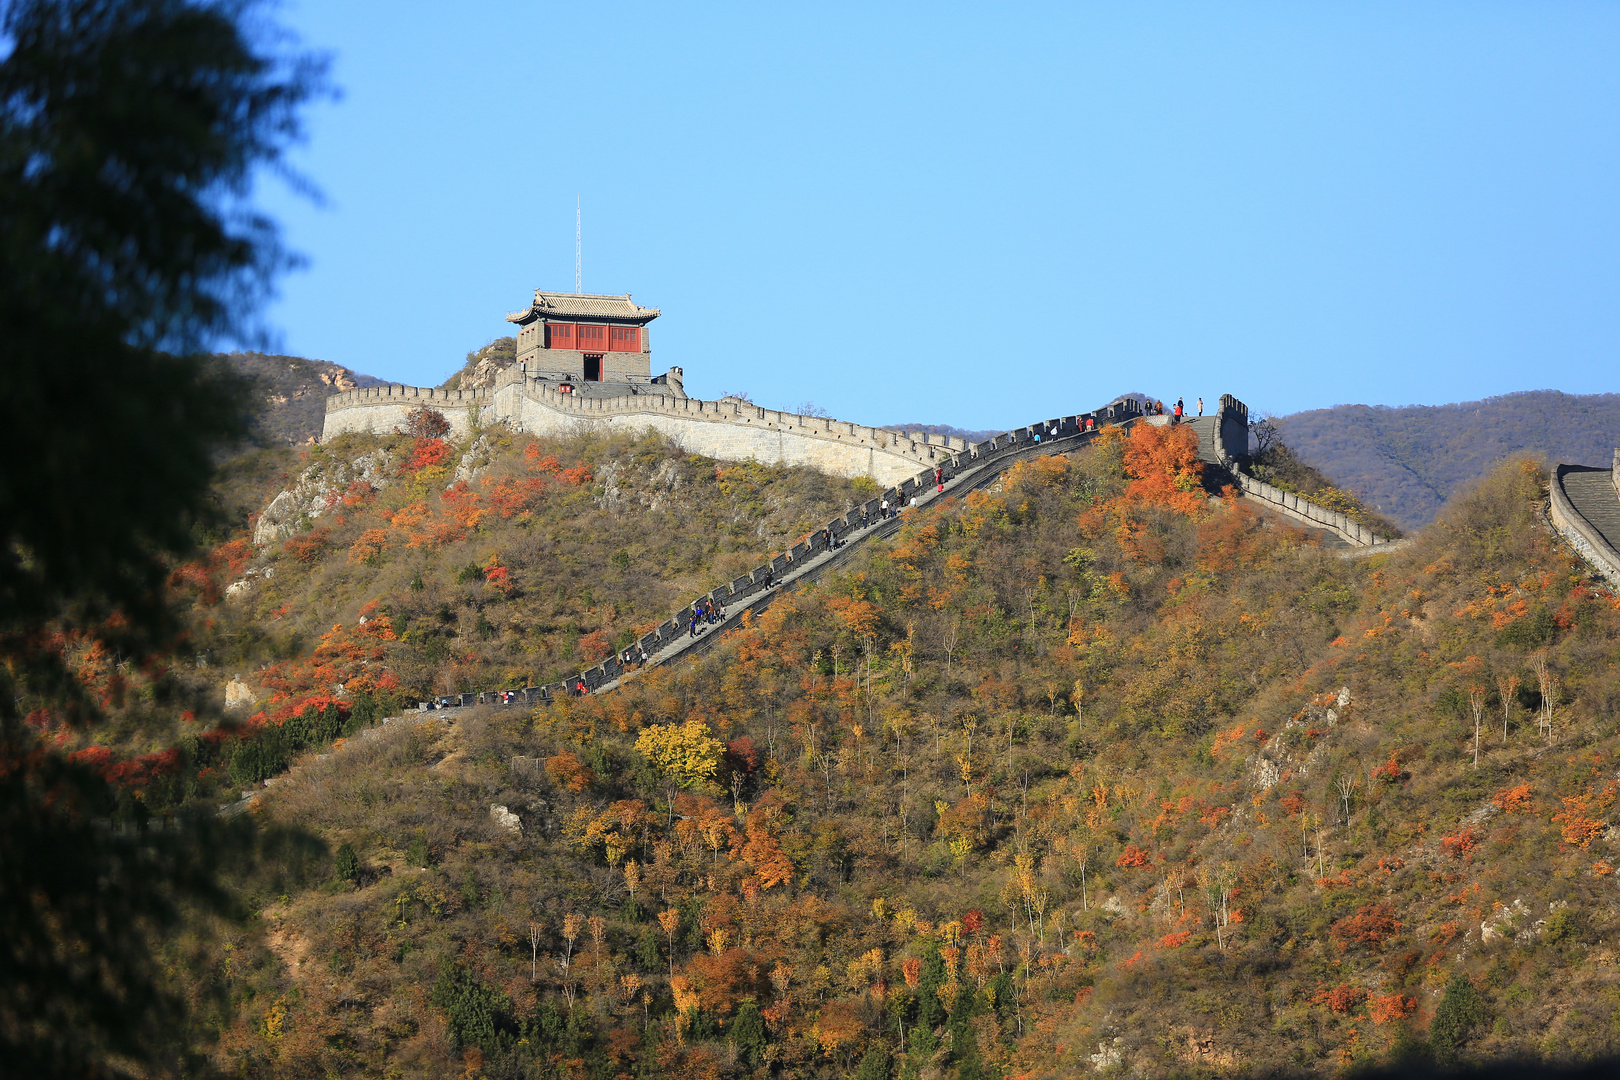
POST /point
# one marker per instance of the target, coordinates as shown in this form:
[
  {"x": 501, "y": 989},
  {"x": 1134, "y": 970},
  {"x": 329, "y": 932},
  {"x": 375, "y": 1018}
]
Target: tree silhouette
[{"x": 129, "y": 131}]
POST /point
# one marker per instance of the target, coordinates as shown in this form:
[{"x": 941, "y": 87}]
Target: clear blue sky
[{"x": 978, "y": 215}]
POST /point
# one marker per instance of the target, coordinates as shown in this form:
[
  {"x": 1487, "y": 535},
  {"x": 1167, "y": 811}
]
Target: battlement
[{"x": 728, "y": 429}]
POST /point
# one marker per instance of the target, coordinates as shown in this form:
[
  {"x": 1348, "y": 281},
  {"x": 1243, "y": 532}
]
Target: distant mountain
[
  {"x": 943, "y": 429},
  {"x": 291, "y": 393},
  {"x": 1407, "y": 461}
]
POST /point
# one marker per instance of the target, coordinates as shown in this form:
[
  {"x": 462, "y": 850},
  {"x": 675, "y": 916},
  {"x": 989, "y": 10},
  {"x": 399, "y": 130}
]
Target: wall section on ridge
[{"x": 726, "y": 430}]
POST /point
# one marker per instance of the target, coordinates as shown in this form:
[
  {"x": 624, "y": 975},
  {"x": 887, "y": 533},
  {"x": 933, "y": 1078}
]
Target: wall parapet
[
  {"x": 1574, "y": 527},
  {"x": 1304, "y": 510}
]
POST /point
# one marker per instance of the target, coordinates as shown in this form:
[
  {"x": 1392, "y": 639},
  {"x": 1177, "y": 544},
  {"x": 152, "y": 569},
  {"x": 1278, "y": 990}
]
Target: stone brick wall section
[
  {"x": 728, "y": 430},
  {"x": 1308, "y": 512},
  {"x": 1582, "y": 537}
]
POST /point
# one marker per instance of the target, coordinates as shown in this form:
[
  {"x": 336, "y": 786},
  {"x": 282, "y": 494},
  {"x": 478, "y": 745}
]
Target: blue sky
[{"x": 978, "y": 215}]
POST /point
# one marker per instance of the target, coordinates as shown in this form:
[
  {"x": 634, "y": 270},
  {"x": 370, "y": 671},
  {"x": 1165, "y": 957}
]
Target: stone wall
[
  {"x": 1301, "y": 509},
  {"x": 728, "y": 430},
  {"x": 1582, "y": 537}
]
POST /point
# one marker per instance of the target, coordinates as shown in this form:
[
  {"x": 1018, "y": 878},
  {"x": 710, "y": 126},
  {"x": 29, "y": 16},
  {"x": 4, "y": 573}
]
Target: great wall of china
[
  {"x": 1585, "y": 508},
  {"x": 727, "y": 430},
  {"x": 914, "y": 465}
]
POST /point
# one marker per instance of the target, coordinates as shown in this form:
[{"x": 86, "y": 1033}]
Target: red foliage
[
  {"x": 1371, "y": 926},
  {"x": 1132, "y": 856},
  {"x": 1176, "y": 940},
  {"x": 742, "y": 756},
  {"x": 973, "y": 921},
  {"x": 1460, "y": 844},
  {"x": 1340, "y": 999},
  {"x": 1390, "y": 772},
  {"x": 425, "y": 453},
  {"x": 1293, "y": 802}
]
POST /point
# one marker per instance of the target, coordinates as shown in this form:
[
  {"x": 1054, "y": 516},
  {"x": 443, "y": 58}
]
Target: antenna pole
[{"x": 577, "y": 289}]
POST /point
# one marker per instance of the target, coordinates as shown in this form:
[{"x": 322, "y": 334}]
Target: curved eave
[{"x": 641, "y": 318}]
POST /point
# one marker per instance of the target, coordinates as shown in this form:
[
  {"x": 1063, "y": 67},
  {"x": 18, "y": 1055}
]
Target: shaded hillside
[
  {"x": 290, "y": 393},
  {"x": 1408, "y": 461}
]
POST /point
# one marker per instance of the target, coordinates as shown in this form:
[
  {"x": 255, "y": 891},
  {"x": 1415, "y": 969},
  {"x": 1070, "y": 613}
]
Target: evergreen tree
[
  {"x": 748, "y": 1032},
  {"x": 1461, "y": 1010},
  {"x": 346, "y": 865},
  {"x": 876, "y": 1065},
  {"x": 129, "y": 130}
]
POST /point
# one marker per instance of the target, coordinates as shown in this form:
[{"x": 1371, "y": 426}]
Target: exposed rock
[
  {"x": 474, "y": 463},
  {"x": 1113, "y": 906},
  {"x": 239, "y": 696},
  {"x": 237, "y": 590},
  {"x": 1504, "y": 922},
  {"x": 316, "y": 491},
  {"x": 1109, "y": 1054},
  {"x": 504, "y": 819}
]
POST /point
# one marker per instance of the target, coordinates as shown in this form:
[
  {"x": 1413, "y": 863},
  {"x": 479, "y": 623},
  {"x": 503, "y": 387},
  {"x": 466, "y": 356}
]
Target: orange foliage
[
  {"x": 1580, "y": 826},
  {"x": 567, "y": 771},
  {"x": 594, "y": 647},
  {"x": 1385, "y": 1008},
  {"x": 1230, "y": 540},
  {"x": 1515, "y": 799},
  {"x": 1340, "y": 999},
  {"x": 372, "y": 543},
  {"x": 1132, "y": 856},
  {"x": 1370, "y": 926},
  {"x": 761, "y": 850},
  {"x": 1460, "y": 844},
  {"x": 306, "y": 549},
  {"x": 1176, "y": 940},
  {"x": 1163, "y": 465}
]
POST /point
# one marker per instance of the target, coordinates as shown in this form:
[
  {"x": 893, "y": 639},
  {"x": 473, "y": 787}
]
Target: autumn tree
[{"x": 687, "y": 752}]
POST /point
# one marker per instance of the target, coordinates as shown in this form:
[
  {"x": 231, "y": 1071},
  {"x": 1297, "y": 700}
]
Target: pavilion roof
[{"x": 550, "y": 305}]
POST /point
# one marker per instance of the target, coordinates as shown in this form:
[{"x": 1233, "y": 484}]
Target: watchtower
[{"x": 586, "y": 337}]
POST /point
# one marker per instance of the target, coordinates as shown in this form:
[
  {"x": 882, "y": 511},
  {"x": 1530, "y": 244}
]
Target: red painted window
[
  {"x": 560, "y": 336},
  {"x": 590, "y": 338},
  {"x": 624, "y": 338}
]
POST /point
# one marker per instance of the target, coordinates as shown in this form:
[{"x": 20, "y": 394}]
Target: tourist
[
  {"x": 1179, "y": 409},
  {"x": 883, "y": 509},
  {"x": 1200, "y": 406}
]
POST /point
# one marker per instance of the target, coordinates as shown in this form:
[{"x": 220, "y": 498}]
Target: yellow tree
[{"x": 687, "y": 753}]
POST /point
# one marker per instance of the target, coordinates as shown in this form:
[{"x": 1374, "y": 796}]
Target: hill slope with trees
[
  {"x": 1084, "y": 770},
  {"x": 1406, "y": 462}
]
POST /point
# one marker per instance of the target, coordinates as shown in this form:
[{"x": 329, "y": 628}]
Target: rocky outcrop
[
  {"x": 317, "y": 490},
  {"x": 239, "y": 696}
]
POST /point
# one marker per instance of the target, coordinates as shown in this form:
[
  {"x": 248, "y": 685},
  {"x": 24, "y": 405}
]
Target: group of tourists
[
  {"x": 1178, "y": 410},
  {"x": 706, "y": 613},
  {"x": 634, "y": 656}
]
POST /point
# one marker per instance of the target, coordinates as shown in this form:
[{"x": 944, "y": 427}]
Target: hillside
[
  {"x": 1084, "y": 771},
  {"x": 289, "y": 394},
  {"x": 1408, "y": 461}
]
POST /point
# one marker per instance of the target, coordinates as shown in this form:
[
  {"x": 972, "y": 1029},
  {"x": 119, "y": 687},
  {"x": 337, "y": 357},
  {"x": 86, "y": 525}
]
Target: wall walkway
[{"x": 1585, "y": 508}]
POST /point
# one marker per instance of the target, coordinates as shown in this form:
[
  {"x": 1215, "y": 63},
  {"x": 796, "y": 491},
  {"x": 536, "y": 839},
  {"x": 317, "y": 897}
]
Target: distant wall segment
[{"x": 728, "y": 430}]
